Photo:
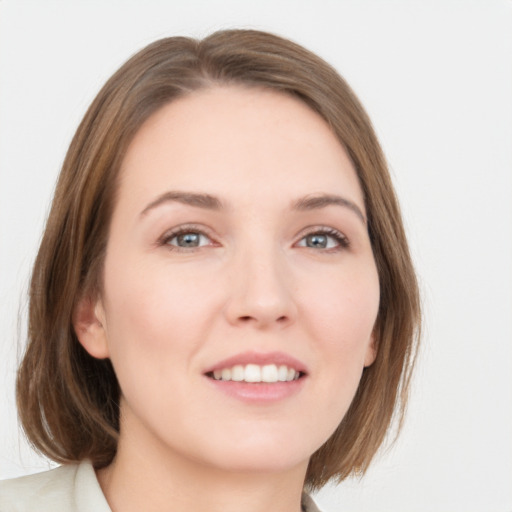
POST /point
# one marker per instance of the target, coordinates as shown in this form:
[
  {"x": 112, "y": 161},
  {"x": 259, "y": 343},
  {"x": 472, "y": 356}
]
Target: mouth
[
  {"x": 276, "y": 369},
  {"x": 255, "y": 373},
  {"x": 258, "y": 378}
]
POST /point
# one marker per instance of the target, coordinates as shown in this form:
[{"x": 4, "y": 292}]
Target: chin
[
  {"x": 263, "y": 462},
  {"x": 262, "y": 454}
]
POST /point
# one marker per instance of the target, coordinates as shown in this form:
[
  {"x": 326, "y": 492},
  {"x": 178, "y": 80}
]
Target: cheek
[
  {"x": 340, "y": 317},
  {"x": 155, "y": 296},
  {"x": 157, "y": 322},
  {"x": 156, "y": 316},
  {"x": 343, "y": 305}
]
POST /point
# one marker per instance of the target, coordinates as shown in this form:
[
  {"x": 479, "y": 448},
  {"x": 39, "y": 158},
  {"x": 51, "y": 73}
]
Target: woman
[{"x": 223, "y": 309}]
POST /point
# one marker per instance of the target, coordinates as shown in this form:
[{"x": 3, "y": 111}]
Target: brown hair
[{"x": 68, "y": 401}]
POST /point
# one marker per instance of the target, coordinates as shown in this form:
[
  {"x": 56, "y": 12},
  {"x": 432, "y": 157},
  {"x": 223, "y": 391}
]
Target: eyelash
[
  {"x": 182, "y": 230},
  {"x": 341, "y": 240}
]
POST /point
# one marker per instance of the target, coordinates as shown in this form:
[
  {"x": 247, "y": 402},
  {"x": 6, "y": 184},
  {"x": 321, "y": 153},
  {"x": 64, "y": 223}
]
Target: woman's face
[{"x": 238, "y": 250}]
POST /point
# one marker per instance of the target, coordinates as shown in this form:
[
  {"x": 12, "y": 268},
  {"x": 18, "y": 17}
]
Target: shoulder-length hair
[{"x": 68, "y": 401}]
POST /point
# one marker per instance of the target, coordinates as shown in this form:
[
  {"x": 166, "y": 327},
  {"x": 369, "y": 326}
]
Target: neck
[{"x": 151, "y": 478}]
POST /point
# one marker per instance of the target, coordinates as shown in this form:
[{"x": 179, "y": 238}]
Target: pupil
[
  {"x": 188, "y": 240},
  {"x": 317, "y": 241}
]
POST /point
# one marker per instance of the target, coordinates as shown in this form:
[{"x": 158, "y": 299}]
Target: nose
[{"x": 261, "y": 292}]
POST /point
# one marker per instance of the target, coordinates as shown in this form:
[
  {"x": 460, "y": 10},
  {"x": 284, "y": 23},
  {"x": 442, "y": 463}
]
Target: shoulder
[
  {"x": 68, "y": 488},
  {"x": 50, "y": 489},
  {"x": 308, "y": 505}
]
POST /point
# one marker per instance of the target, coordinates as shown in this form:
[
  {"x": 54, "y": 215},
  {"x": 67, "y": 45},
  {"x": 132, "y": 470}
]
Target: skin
[{"x": 167, "y": 313}]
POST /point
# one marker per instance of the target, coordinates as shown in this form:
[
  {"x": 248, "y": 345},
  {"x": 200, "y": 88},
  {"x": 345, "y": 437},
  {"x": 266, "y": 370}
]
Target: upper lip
[{"x": 259, "y": 358}]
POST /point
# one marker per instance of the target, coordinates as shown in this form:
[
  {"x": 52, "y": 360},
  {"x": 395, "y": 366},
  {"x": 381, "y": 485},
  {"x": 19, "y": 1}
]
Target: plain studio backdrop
[{"x": 436, "y": 79}]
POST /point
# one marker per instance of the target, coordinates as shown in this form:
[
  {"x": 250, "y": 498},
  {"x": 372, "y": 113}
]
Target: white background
[{"x": 436, "y": 78}]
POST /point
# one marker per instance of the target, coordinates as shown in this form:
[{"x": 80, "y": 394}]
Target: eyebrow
[
  {"x": 209, "y": 202},
  {"x": 315, "y": 202},
  {"x": 205, "y": 201}
]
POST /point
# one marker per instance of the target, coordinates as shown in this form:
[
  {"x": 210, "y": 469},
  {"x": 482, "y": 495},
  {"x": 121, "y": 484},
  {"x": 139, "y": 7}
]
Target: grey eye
[
  {"x": 323, "y": 240},
  {"x": 189, "y": 239},
  {"x": 317, "y": 241}
]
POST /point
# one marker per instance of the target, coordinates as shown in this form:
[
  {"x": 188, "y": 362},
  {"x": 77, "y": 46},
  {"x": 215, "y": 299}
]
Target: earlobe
[
  {"x": 371, "y": 351},
  {"x": 89, "y": 325}
]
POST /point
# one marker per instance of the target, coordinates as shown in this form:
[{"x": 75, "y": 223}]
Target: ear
[
  {"x": 90, "y": 327},
  {"x": 371, "y": 351}
]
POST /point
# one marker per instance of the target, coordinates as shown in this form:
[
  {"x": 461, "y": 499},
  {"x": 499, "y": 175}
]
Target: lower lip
[{"x": 259, "y": 392}]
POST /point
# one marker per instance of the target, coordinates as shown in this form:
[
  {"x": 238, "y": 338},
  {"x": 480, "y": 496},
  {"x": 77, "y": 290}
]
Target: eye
[
  {"x": 324, "y": 239},
  {"x": 186, "y": 238}
]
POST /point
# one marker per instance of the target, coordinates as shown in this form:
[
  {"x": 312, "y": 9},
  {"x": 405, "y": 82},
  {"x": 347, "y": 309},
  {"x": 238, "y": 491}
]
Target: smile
[
  {"x": 258, "y": 378},
  {"x": 254, "y": 373}
]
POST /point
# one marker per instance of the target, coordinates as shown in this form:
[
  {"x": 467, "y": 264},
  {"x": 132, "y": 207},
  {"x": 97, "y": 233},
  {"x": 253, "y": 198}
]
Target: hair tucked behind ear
[{"x": 68, "y": 401}]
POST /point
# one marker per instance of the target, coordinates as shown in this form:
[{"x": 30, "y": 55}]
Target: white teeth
[
  {"x": 269, "y": 373},
  {"x": 255, "y": 373},
  {"x": 252, "y": 373},
  {"x": 282, "y": 373},
  {"x": 237, "y": 373}
]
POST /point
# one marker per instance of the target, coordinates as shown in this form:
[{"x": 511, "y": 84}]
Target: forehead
[{"x": 238, "y": 142}]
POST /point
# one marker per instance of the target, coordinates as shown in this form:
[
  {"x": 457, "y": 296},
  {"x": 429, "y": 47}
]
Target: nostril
[{"x": 248, "y": 318}]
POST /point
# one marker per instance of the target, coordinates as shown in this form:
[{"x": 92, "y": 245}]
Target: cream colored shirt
[{"x": 70, "y": 488}]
